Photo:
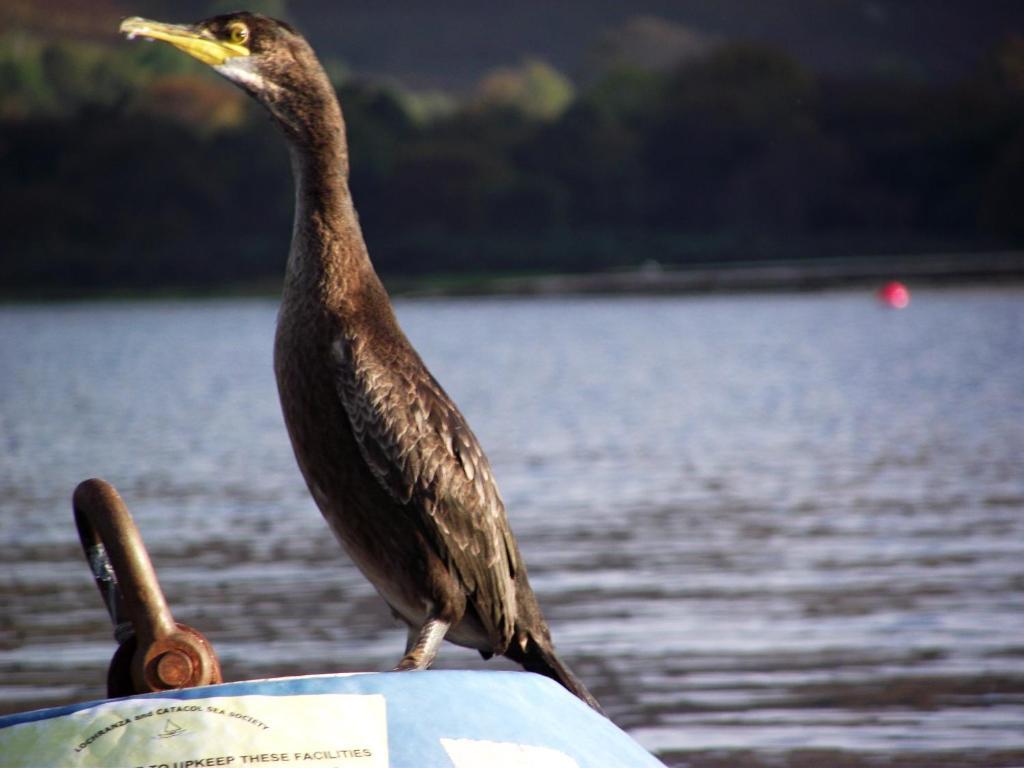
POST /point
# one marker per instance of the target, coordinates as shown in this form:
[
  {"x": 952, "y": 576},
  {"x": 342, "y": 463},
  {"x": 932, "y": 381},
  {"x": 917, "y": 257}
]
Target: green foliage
[
  {"x": 535, "y": 88},
  {"x": 645, "y": 43},
  {"x": 629, "y": 92},
  {"x": 741, "y": 120},
  {"x": 61, "y": 77},
  {"x": 131, "y": 169}
]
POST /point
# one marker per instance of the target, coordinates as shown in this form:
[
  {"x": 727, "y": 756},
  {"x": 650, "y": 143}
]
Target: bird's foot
[
  {"x": 408, "y": 664},
  {"x": 423, "y": 645}
]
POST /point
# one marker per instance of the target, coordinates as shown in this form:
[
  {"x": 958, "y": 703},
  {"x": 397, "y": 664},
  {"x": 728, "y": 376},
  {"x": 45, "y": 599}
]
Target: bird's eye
[{"x": 238, "y": 33}]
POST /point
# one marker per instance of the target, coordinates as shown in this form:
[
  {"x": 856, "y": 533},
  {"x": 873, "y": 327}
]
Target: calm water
[{"x": 765, "y": 530}]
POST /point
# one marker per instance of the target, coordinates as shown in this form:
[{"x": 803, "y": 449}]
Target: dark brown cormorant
[{"x": 387, "y": 456}]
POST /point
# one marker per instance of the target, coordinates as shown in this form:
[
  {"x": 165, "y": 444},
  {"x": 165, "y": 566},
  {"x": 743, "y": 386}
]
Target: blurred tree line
[{"x": 136, "y": 168}]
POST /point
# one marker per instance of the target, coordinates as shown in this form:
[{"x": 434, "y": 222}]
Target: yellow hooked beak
[{"x": 195, "y": 42}]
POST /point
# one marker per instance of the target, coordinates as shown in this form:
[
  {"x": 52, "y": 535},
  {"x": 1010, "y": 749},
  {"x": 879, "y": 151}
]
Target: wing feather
[{"x": 420, "y": 449}]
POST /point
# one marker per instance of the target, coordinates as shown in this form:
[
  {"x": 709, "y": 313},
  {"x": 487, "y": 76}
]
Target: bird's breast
[{"x": 371, "y": 527}]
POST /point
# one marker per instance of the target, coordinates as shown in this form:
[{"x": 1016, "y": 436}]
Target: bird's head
[{"x": 263, "y": 56}]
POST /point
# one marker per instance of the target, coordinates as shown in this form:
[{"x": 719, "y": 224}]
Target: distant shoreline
[
  {"x": 1005, "y": 267},
  {"x": 985, "y": 268}
]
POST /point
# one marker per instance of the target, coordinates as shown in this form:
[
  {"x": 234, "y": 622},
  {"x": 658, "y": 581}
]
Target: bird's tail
[{"x": 541, "y": 658}]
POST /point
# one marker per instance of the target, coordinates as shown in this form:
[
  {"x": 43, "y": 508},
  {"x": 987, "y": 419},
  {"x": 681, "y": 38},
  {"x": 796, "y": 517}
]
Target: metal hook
[{"x": 154, "y": 652}]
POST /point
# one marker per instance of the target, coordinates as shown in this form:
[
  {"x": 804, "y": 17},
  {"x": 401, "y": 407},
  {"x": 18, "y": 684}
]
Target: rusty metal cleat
[{"x": 154, "y": 652}]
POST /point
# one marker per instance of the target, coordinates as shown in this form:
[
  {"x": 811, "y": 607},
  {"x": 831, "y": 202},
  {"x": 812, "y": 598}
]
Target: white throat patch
[{"x": 240, "y": 70}]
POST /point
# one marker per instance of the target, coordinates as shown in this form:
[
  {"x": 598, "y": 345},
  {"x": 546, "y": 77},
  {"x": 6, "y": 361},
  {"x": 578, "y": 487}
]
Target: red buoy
[{"x": 894, "y": 294}]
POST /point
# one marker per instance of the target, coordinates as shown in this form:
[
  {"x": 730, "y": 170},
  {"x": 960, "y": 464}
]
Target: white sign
[{"x": 308, "y": 731}]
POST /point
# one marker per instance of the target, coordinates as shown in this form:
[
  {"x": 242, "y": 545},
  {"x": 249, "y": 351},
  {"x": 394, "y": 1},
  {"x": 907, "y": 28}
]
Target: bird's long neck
[{"x": 328, "y": 260}]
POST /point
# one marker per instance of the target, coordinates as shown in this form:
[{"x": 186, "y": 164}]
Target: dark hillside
[
  {"x": 130, "y": 166},
  {"x": 451, "y": 44}
]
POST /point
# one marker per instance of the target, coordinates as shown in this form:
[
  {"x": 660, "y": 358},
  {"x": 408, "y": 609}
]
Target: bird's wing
[{"x": 419, "y": 447}]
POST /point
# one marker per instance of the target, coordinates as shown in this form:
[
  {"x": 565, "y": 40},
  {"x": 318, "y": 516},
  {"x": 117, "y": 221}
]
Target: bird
[{"x": 387, "y": 456}]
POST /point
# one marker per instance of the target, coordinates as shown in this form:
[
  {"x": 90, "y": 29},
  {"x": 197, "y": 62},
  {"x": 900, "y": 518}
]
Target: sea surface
[{"x": 778, "y": 530}]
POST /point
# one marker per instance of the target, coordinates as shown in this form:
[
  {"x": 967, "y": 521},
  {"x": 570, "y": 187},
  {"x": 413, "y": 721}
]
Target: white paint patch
[{"x": 473, "y": 753}]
